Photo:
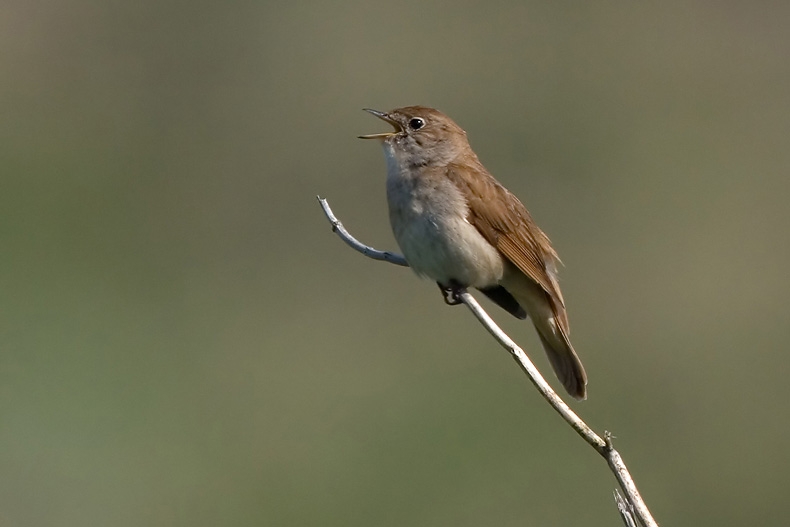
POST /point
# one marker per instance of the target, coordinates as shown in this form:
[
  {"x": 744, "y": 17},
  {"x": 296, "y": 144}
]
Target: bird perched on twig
[{"x": 460, "y": 227}]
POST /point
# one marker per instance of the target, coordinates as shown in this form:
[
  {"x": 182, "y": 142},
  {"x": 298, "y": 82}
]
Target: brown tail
[
  {"x": 566, "y": 363},
  {"x": 550, "y": 321}
]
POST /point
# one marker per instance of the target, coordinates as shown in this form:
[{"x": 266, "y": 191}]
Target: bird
[{"x": 458, "y": 226}]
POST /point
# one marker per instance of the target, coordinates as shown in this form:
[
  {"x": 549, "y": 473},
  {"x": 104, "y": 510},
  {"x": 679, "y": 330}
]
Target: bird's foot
[{"x": 452, "y": 293}]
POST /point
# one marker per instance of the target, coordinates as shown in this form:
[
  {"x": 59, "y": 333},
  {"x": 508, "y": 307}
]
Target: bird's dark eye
[{"x": 416, "y": 123}]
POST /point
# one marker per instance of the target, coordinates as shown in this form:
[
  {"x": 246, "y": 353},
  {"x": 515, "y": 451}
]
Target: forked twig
[
  {"x": 625, "y": 509},
  {"x": 634, "y": 503}
]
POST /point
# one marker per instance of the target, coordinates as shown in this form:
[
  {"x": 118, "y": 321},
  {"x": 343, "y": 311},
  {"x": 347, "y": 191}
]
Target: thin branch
[
  {"x": 601, "y": 445},
  {"x": 616, "y": 463},
  {"x": 355, "y": 244},
  {"x": 534, "y": 375}
]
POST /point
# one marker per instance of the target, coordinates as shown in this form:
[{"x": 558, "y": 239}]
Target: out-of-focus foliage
[{"x": 184, "y": 342}]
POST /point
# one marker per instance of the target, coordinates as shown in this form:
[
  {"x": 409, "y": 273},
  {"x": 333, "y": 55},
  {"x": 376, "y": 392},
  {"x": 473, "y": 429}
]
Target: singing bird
[{"x": 458, "y": 226}]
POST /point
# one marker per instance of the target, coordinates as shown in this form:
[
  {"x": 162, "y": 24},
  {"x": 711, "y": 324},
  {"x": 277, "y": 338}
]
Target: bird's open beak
[{"x": 384, "y": 117}]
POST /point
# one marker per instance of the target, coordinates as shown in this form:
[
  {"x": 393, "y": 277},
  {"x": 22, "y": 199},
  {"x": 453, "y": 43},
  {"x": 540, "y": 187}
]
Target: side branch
[
  {"x": 370, "y": 252},
  {"x": 601, "y": 445}
]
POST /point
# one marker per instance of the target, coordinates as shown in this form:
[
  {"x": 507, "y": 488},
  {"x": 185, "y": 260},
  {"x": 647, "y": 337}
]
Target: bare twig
[
  {"x": 534, "y": 375},
  {"x": 626, "y": 482},
  {"x": 602, "y": 445},
  {"x": 355, "y": 244}
]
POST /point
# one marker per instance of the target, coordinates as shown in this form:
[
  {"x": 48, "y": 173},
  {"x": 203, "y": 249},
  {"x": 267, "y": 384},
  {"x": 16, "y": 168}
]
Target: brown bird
[{"x": 460, "y": 227}]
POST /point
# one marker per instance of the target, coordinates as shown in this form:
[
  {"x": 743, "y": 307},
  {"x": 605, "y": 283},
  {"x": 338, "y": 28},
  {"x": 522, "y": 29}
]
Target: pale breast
[{"x": 428, "y": 218}]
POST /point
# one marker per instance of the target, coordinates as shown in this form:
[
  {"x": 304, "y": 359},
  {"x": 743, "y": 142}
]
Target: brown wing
[{"x": 506, "y": 224}]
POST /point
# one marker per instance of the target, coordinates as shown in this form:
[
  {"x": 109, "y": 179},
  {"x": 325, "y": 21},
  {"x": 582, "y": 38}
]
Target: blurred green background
[{"x": 185, "y": 342}]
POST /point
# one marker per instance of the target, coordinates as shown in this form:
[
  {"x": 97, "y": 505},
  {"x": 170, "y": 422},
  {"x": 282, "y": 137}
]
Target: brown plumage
[{"x": 456, "y": 224}]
